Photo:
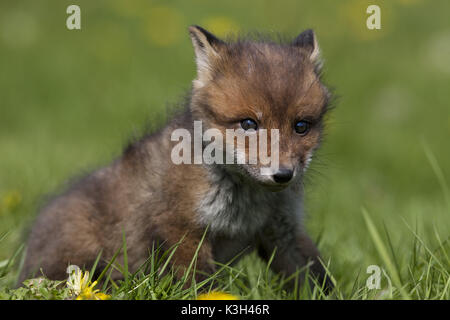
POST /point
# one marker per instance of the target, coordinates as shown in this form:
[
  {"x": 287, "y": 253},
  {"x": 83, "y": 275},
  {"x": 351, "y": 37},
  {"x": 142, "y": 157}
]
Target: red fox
[{"x": 241, "y": 83}]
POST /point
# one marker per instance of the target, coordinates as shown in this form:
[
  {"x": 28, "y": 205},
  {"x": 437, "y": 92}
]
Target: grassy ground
[{"x": 378, "y": 190}]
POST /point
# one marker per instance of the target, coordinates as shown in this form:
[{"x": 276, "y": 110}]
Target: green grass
[
  {"x": 377, "y": 192},
  {"x": 424, "y": 275}
]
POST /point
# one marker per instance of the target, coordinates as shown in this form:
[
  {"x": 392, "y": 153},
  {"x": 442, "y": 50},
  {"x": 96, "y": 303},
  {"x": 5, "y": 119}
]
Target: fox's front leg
[
  {"x": 294, "y": 250},
  {"x": 186, "y": 245}
]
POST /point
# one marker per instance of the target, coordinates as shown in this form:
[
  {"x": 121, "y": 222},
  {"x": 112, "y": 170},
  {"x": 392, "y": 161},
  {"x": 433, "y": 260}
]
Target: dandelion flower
[
  {"x": 80, "y": 286},
  {"x": 162, "y": 25},
  {"x": 221, "y": 26},
  {"x": 216, "y": 295},
  {"x": 12, "y": 200}
]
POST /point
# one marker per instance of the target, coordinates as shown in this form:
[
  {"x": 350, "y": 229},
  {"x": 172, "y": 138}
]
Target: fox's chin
[{"x": 275, "y": 188}]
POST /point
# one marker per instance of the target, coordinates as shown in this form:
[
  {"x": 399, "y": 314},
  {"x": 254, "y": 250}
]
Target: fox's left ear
[
  {"x": 207, "y": 48},
  {"x": 307, "y": 40}
]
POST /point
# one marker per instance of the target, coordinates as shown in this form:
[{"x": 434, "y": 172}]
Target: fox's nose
[{"x": 283, "y": 175}]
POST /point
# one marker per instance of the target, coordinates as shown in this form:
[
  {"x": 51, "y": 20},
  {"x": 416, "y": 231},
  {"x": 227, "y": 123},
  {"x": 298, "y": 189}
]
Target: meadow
[{"x": 377, "y": 191}]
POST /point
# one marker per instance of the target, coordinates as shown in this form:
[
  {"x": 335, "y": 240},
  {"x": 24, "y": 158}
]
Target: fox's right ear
[
  {"x": 308, "y": 41},
  {"x": 206, "y": 47}
]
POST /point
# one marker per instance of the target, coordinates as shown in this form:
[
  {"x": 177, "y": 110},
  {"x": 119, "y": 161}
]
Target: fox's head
[{"x": 254, "y": 85}]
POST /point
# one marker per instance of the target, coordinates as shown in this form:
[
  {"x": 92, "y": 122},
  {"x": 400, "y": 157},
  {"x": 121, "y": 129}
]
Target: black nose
[{"x": 283, "y": 175}]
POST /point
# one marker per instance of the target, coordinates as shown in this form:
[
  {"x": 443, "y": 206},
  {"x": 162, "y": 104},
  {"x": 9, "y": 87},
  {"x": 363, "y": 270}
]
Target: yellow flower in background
[
  {"x": 80, "y": 286},
  {"x": 217, "y": 295},
  {"x": 163, "y": 25},
  {"x": 220, "y": 26},
  {"x": 11, "y": 200}
]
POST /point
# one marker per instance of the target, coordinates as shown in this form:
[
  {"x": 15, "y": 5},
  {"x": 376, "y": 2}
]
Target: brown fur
[{"x": 150, "y": 199}]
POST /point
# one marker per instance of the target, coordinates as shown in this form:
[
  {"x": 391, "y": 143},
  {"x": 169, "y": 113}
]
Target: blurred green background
[{"x": 69, "y": 101}]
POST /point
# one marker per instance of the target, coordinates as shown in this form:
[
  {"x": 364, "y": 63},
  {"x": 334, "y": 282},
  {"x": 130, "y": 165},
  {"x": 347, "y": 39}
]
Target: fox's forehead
[
  {"x": 253, "y": 57},
  {"x": 270, "y": 77}
]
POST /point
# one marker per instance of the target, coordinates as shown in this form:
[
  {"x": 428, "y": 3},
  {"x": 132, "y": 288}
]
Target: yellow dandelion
[
  {"x": 162, "y": 25},
  {"x": 12, "y": 200},
  {"x": 220, "y": 26},
  {"x": 88, "y": 293},
  {"x": 217, "y": 295},
  {"x": 80, "y": 286}
]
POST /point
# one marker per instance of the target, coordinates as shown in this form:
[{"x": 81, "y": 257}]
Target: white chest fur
[{"x": 237, "y": 209}]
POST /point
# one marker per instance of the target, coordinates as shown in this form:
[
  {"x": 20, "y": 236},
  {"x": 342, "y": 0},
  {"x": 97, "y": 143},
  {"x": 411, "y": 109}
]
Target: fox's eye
[
  {"x": 302, "y": 127},
  {"x": 248, "y": 124}
]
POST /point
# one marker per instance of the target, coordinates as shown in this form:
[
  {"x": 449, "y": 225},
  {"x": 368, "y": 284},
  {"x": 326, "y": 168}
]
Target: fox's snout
[{"x": 283, "y": 175}]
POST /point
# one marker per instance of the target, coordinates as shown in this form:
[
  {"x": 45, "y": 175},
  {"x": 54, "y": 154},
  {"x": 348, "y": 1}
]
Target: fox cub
[{"x": 242, "y": 84}]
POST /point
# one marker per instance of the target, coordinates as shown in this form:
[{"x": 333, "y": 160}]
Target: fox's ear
[
  {"x": 207, "y": 47},
  {"x": 307, "y": 40}
]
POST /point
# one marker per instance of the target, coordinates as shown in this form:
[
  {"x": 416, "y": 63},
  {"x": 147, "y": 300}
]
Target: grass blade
[{"x": 382, "y": 251}]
